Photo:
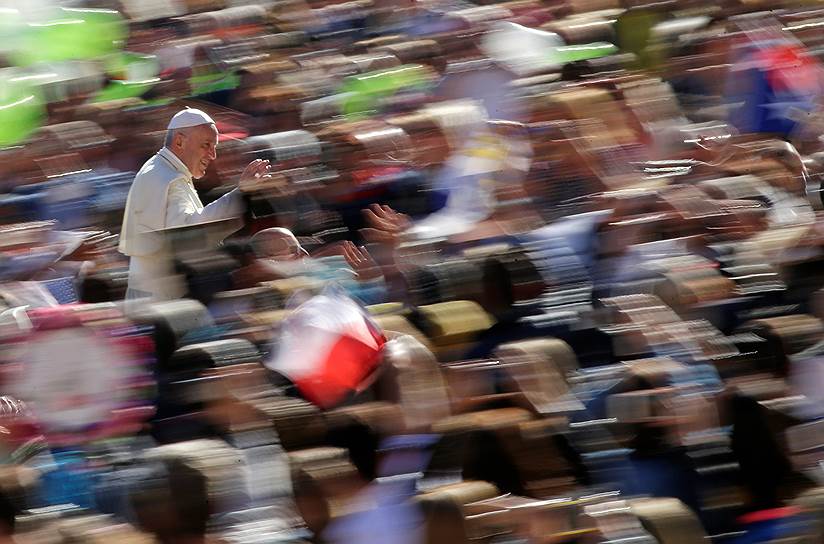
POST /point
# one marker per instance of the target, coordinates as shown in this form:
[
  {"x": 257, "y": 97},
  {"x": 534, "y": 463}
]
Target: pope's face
[{"x": 197, "y": 148}]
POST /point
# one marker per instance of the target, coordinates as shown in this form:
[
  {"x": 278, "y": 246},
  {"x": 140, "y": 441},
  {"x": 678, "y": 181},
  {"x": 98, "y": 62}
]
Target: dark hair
[
  {"x": 240, "y": 250},
  {"x": 362, "y": 444},
  {"x": 444, "y": 521},
  {"x": 573, "y": 71},
  {"x": 478, "y": 454},
  {"x": 763, "y": 465},
  {"x": 172, "y": 500},
  {"x": 8, "y": 511}
]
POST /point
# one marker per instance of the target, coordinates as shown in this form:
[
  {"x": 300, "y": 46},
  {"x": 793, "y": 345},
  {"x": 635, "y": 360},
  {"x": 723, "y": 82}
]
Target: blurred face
[
  {"x": 196, "y": 147},
  {"x": 278, "y": 245},
  {"x": 283, "y": 249}
]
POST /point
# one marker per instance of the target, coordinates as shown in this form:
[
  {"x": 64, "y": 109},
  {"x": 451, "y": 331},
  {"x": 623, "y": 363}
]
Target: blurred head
[
  {"x": 277, "y": 244},
  {"x": 444, "y": 521},
  {"x": 172, "y": 502},
  {"x": 8, "y": 511},
  {"x": 195, "y": 146}
]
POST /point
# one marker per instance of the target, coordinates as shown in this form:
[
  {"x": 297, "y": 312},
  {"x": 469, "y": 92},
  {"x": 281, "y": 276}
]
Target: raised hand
[
  {"x": 361, "y": 262},
  {"x": 385, "y": 224},
  {"x": 254, "y": 175}
]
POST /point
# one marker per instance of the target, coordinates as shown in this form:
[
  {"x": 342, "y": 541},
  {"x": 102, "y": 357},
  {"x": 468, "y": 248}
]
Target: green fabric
[
  {"x": 142, "y": 68},
  {"x": 117, "y": 90},
  {"x": 634, "y": 31},
  {"x": 211, "y": 83},
  {"x": 21, "y": 110},
  {"x": 572, "y": 53},
  {"x": 368, "y": 89},
  {"x": 70, "y": 34}
]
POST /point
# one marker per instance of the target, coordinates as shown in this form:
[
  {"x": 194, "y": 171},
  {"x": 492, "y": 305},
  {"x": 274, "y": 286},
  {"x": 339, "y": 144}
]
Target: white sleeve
[{"x": 183, "y": 208}]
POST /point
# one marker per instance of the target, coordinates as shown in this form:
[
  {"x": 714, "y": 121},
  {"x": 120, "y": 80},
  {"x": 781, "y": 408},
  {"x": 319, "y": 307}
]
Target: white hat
[{"x": 190, "y": 117}]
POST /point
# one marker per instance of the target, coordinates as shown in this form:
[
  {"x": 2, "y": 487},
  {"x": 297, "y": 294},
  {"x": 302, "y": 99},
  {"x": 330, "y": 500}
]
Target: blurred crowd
[{"x": 534, "y": 271}]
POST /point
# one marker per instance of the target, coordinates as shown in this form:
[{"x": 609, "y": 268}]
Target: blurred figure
[
  {"x": 163, "y": 196},
  {"x": 172, "y": 504},
  {"x": 8, "y": 513},
  {"x": 278, "y": 244},
  {"x": 383, "y": 509},
  {"x": 480, "y": 178},
  {"x": 21, "y": 437},
  {"x": 504, "y": 54},
  {"x": 278, "y": 254}
]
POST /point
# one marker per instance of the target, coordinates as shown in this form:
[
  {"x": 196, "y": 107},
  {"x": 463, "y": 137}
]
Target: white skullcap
[{"x": 190, "y": 117}]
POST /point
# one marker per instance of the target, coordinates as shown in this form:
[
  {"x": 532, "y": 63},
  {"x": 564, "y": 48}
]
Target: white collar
[{"x": 176, "y": 163}]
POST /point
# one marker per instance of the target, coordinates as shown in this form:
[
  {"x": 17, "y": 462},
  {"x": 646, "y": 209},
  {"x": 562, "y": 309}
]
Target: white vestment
[{"x": 163, "y": 196}]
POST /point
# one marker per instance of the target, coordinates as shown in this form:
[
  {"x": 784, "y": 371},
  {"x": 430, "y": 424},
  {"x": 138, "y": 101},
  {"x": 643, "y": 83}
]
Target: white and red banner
[{"x": 329, "y": 347}]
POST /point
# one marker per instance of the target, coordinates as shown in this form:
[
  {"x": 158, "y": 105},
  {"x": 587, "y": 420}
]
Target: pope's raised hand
[{"x": 254, "y": 176}]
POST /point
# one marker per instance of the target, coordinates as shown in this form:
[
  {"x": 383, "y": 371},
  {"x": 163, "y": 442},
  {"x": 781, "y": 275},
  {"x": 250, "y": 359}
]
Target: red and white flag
[{"x": 329, "y": 347}]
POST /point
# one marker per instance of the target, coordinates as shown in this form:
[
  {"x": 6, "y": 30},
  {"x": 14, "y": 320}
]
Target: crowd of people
[{"x": 419, "y": 272}]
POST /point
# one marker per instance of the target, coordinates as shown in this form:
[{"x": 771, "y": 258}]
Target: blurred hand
[
  {"x": 253, "y": 177},
  {"x": 385, "y": 225},
  {"x": 361, "y": 262}
]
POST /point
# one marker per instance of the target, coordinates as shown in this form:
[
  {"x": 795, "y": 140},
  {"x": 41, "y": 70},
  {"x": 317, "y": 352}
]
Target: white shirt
[{"x": 163, "y": 196}]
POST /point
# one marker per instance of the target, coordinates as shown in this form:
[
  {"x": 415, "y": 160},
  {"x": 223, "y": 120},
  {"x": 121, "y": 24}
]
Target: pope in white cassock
[{"x": 163, "y": 196}]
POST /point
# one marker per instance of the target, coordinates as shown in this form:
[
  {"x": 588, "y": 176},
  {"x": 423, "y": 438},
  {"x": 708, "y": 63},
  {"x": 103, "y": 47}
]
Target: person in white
[{"x": 163, "y": 196}]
